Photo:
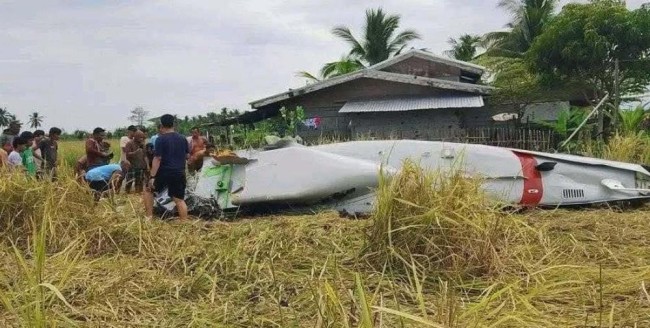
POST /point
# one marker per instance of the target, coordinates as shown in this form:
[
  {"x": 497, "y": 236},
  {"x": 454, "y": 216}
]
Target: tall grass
[
  {"x": 439, "y": 221},
  {"x": 452, "y": 260},
  {"x": 71, "y": 150},
  {"x": 631, "y": 148}
]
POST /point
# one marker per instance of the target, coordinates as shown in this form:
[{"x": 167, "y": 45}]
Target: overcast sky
[{"x": 83, "y": 64}]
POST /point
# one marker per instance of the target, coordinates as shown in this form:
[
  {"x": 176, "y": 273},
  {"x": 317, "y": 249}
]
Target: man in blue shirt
[
  {"x": 106, "y": 177},
  {"x": 168, "y": 168}
]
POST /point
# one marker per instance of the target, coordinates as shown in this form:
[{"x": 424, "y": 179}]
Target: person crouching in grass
[
  {"x": 80, "y": 169},
  {"x": 135, "y": 155},
  {"x": 106, "y": 178}
]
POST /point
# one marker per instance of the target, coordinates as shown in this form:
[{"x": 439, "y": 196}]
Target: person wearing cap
[
  {"x": 95, "y": 155},
  {"x": 10, "y": 133}
]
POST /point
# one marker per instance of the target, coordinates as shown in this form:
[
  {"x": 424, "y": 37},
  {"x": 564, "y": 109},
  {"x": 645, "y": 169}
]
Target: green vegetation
[
  {"x": 429, "y": 257},
  {"x": 465, "y": 48},
  {"x": 380, "y": 41},
  {"x": 530, "y": 20},
  {"x": 35, "y": 120}
]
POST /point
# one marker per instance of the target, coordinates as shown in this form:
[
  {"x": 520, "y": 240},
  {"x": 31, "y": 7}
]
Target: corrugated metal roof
[{"x": 410, "y": 103}]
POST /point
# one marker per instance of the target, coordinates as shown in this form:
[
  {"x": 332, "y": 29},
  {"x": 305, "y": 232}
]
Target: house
[{"x": 415, "y": 95}]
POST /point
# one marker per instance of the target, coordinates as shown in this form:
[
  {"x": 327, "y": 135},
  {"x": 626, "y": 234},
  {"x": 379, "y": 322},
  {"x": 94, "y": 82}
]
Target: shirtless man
[{"x": 196, "y": 143}]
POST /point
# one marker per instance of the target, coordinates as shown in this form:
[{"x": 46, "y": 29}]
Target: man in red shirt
[{"x": 94, "y": 155}]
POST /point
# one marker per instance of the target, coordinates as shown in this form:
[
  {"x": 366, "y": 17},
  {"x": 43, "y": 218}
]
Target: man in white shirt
[
  {"x": 125, "y": 139},
  {"x": 15, "y": 160},
  {"x": 123, "y": 142}
]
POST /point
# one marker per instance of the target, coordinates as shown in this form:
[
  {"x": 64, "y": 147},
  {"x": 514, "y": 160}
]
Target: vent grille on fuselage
[{"x": 573, "y": 193}]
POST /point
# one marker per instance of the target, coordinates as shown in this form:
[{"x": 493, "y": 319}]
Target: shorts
[
  {"x": 175, "y": 184},
  {"x": 99, "y": 186},
  {"x": 135, "y": 175}
]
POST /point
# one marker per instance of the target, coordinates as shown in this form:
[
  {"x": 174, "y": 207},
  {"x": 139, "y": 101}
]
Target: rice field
[{"x": 434, "y": 254}]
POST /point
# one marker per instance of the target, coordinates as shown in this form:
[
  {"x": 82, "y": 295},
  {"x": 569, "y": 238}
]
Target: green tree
[
  {"x": 530, "y": 18},
  {"x": 380, "y": 38},
  {"x": 5, "y": 117},
  {"x": 464, "y": 48},
  {"x": 345, "y": 65},
  {"x": 35, "y": 120},
  {"x": 584, "y": 43}
]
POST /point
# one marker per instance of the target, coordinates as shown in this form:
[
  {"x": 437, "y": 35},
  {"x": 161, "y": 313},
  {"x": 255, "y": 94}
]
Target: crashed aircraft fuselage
[{"x": 343, "y": 176}]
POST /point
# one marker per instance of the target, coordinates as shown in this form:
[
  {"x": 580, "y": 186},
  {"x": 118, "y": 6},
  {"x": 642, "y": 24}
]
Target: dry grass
[
  {"x": 440, "y": 221},
  {"x": 631, "y": 148},
  {"x": 67, "y": 262}
]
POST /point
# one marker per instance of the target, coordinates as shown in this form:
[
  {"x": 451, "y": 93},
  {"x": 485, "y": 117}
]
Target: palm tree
[
  {"x": 530, "y": 18},
  {"x": 35, "y": 120},
  {"x": 380, "y": 40},
  {"x": 464, "y": 48},
  {"x": 5, "y": 117},
  {"x": 379, "y": 43},
  {"x": 345, "y": 65}
]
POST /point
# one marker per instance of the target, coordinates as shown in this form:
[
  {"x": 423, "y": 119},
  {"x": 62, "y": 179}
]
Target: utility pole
[{"x": 617, "y": 94}]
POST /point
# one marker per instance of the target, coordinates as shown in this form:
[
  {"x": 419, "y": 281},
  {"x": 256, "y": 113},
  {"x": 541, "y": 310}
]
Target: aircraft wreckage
[{"x": 343, "y": 176}]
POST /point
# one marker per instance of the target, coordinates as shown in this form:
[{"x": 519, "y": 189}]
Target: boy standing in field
[
  {"x": 27, "y": 154},
  {"x": 15, "y": 159},
  {"x": 124, "y": 140},
  {"x": 135, "y": 154},
  {"x": 38, "y": 158},
  {"x": 49, "y": 148},
  {"x": 6, "y": 148}
]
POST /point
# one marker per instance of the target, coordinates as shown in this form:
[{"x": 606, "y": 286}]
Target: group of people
[
  {"x": 32, "y": 152},
  {"x": 145, "y": 166}
]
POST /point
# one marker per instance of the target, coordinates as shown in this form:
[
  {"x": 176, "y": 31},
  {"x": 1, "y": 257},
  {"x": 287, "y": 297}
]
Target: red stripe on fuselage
[{"x": 533, "y": 188}]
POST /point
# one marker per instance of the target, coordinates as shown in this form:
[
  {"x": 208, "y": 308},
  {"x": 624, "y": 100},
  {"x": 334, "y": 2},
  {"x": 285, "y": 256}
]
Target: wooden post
[{"x": 617, "y": 95}]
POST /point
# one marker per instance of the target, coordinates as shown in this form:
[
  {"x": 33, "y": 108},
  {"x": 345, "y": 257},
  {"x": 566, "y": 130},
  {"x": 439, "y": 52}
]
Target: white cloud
[{"x": 83, "y": 64}]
